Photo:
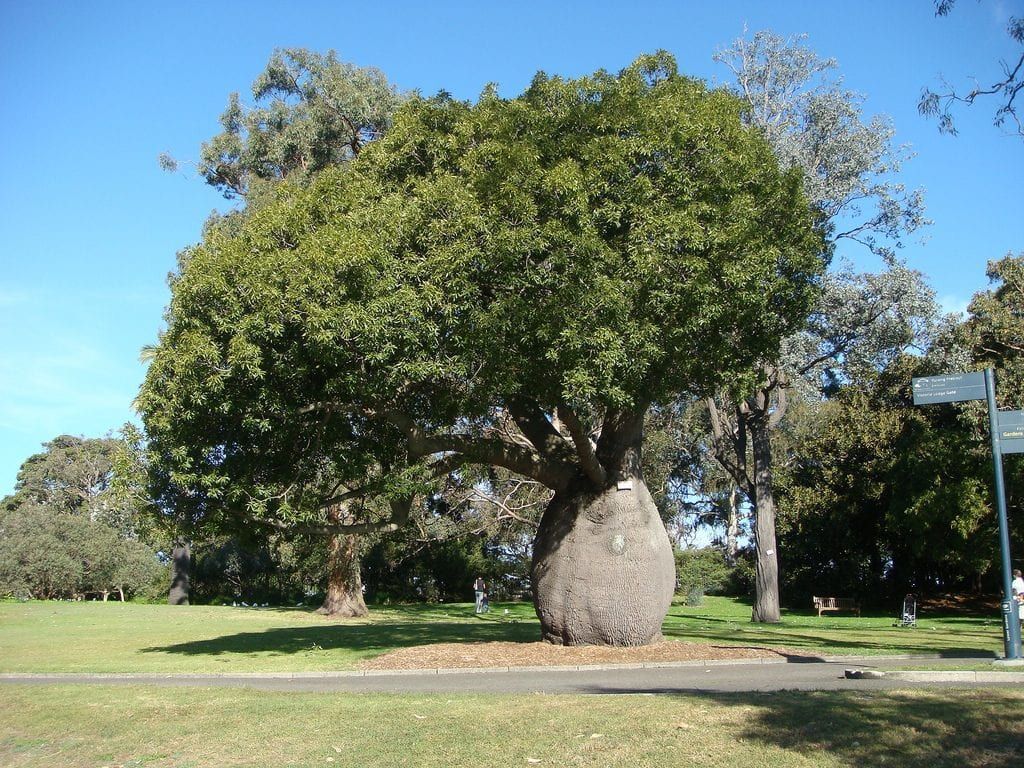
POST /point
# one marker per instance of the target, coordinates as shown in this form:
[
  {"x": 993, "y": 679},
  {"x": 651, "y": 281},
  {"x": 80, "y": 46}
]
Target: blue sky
[{"x": 93, "y": 92}]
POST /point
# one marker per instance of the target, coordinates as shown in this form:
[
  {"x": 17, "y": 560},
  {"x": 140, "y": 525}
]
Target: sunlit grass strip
[
  {"x": 116, "y": 637},
  {"x": 139, "y": 726}
]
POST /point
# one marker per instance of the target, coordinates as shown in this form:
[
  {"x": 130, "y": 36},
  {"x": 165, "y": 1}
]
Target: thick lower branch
[
  {"x": 620, "y": 448},
  {"x": 400, "y": 510},
  {"x": 535, "y": 426},
  {"x": 585, "y": 449},
  {"x": 496, "y": 452}
]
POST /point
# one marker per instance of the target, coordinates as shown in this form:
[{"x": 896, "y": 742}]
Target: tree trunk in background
[
  {"x": 344, "y": 597},
  {"x": 732, "y": 530},
  {"x": 603, "y": 570},
  {"x": 766, "y": 572},
  {"x": 181, "y": 558}
]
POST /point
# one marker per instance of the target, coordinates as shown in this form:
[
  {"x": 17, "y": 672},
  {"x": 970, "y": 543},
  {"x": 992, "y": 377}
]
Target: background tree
[
  {"x": 939, "y": 104},
  {"x": 67, "y": 530},
  {"x": 815, "y": 125},
  {"x": 311, "y": 111},
  {"x": 512, "y": 283}
]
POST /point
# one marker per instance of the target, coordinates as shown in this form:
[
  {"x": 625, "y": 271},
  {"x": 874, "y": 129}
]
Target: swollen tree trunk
[
  {"x": 766, "y": 571},
  {"x": 181, "y": 556},
  {"x": 603, "y": 571}
]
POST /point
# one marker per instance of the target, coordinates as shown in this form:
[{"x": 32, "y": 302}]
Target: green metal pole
[{"x": 1011, "y": 620}]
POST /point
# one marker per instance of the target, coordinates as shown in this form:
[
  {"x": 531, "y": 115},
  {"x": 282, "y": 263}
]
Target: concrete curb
[
  {"x": 376, "y": 672},
  {"x": 698, "y": 664}
]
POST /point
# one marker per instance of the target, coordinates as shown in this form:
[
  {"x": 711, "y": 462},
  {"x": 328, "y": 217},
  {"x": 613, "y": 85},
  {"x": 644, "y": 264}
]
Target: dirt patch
[
  {"x": 959, "y": 604},
  {"x": 503, "y": 654}
]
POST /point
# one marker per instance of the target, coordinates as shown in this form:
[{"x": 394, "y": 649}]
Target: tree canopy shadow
[
  {"x": 936, "y": 728},
  {"x": 382, "y": 636},
  {"x": 974, "y": 643}
]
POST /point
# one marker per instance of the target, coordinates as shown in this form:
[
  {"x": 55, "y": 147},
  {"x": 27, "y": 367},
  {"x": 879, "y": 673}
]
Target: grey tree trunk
[
  {"x": 732, "y": 531},
  {"x": 344, "y": 597},
  {"x": 181, "y": 557},
  {"x": 603, "y": 570},
  {"x": 766, "y": 571}
]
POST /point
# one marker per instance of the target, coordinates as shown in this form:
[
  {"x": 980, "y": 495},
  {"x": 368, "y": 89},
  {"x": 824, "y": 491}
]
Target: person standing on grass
[
  {"x": 480, "y": 588},
  {"x": 1017, "y": 587}
]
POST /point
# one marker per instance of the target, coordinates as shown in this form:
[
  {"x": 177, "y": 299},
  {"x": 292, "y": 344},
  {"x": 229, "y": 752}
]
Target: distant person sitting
[{"x": 480, "y": 588}]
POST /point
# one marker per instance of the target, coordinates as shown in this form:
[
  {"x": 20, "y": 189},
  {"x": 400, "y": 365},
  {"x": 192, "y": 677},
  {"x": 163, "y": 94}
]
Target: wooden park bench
[{"x": 836, "y": 604}]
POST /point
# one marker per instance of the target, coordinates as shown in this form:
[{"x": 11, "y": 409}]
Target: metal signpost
[{"x": 1007, "y": 431}]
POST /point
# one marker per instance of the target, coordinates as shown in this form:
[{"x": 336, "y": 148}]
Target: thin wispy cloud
[{"x": 956, "y": 305}]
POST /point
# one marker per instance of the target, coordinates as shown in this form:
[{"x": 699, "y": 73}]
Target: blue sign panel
[
  {"x": 1011, "y": 431},
  {"x": 950, "y": 388}
]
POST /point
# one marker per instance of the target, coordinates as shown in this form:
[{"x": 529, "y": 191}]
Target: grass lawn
[
  {"x": 128, "y": 637},
  {"x": 134, "y": 726},
  {"x": 131, "y": 726}
]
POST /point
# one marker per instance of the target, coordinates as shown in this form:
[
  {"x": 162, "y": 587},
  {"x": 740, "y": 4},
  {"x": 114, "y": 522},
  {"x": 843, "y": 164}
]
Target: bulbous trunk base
[{"x": 603, "y": 571}]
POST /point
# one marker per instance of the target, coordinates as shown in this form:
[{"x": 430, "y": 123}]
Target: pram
[{"x": 909, "y": 616}]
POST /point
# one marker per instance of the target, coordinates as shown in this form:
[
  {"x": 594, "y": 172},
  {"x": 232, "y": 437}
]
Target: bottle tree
[{"x": 513, "y": 283}]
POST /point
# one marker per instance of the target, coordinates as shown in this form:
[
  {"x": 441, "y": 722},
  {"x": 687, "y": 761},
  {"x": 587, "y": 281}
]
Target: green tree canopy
[{"x": 310, "y": 111}]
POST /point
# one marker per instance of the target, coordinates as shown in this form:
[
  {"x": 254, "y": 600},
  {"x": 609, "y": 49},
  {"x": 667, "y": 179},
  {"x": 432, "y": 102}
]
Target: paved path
[{"x": 682, "y": 678}]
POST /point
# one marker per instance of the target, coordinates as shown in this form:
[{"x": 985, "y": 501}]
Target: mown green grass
[
  {"x": 117, "y": 637},
  {"x": 727, "y": 621},
  {"x": 79, "y": 726}
]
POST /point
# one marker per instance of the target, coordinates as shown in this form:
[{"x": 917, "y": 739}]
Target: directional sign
[
  {"x": 950, "y": 388},
  {"x": 1011, "y": 431}
]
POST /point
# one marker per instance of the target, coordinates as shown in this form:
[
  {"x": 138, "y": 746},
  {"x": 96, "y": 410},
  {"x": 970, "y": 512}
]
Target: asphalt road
[{"x": 805, "y": 676}]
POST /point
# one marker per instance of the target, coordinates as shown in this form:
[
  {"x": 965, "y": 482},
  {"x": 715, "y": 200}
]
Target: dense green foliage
[
  {"x": 602, "y": 243},
  {"x": 881, "y": 497},
  {"x": 68, "y": 529}
]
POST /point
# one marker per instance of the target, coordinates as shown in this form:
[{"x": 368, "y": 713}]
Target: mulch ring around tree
[{"x": 504, "y": 654}]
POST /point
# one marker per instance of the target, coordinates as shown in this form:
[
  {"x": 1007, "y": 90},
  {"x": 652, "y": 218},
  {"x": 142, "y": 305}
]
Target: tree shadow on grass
[
  {"x": 910, "y": 729},
  {"x": 973, "y": 643},
  {"x": 363, "y": 638}
]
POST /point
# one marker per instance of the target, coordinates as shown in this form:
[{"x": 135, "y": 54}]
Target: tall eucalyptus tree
[{"x": 815, "y": 125}]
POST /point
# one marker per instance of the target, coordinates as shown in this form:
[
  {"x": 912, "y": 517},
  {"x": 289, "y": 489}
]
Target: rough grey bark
[
  {"x": 603, "y": 571},
  {"x": 766, "y": 570},
  {"x": 750, "y": 426},
  {"x": 180, "y": 559},
  {"x": 732, "y": 531},
  {"x": 344, "y": 597}
]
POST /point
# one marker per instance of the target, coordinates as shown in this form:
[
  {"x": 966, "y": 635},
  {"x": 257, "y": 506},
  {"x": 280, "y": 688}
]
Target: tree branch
[
  {"x": 585, "y": 449},
  {"x": 400, "y": 510},
  {"x": 735, "y": 461},
  {"x": 474, "y": 449},
  {"x": 535, "y": 426}
]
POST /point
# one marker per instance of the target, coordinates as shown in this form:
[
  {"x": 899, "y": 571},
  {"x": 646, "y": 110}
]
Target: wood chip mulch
[{"x": 504, "y": 654}]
